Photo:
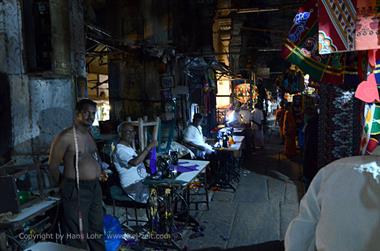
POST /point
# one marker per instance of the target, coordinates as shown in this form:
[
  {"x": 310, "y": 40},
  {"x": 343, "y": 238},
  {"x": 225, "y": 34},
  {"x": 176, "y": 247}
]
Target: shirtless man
[{"x": 88, "y": 204}]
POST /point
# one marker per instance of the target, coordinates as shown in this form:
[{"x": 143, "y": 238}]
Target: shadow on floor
[{"x": 266, "y": 246}]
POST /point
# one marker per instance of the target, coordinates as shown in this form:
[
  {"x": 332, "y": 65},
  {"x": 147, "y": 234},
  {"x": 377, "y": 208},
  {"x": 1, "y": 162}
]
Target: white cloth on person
[
  {"x": 340, "y": 210},
  {"x": 193, "y": 134},
  {"x": 257, "y": 116},
  {"x": 258, "y": 131},
  {"x": 130, "y": 176},
  {"x": 245, "y": 116}
]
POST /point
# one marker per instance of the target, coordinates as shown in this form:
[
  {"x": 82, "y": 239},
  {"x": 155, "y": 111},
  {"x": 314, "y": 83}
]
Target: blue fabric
[
  {"x": 377, "y": 71},
  {"x": 153, "y": 161},
  {"x": 112, "y": 232}
]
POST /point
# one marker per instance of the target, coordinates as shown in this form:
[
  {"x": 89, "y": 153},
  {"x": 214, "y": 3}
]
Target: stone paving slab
[
  {"x": 288, "y": 212},
  {"x": 291, "y": 193},
  {"x": 276, "y": 189},
  {"x": 226, "y": 196},
  {"x": 252, "y": 188},
  {"x": 217, "y": 223},
  {"x": 255, "y": 223}
]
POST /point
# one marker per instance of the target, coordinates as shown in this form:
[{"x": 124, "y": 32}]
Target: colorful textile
[
  {"x": 377, "y": 69},
  {"x": 371, "y": 132},
  {"x": 369, "y": 110},
  {"x": 375, "y": 129},
  {"x": 367, "y": 90},
  {"x": 301, "y": 49},
  {"x": 348, "y": 25},
  {"x": 372, "y": 145},
  {"x": 339, "y": 125},
  {"x": 374, "y": 62}
]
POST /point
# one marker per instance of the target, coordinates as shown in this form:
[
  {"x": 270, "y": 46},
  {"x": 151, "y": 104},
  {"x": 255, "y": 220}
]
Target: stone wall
[{"x": 42, "y": 103}]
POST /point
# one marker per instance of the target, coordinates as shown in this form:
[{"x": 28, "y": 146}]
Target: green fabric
[{"x": 376, "y": 125}]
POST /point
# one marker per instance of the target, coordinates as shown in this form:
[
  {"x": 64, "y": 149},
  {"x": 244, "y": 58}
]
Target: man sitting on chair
[
  {"x": 130, "y": 165},
  {"x": 193, "y": 137}
]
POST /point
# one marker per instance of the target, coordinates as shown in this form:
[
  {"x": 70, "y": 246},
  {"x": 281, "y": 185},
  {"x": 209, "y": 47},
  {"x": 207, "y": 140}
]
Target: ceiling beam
[{"x": 263, "y": 30}]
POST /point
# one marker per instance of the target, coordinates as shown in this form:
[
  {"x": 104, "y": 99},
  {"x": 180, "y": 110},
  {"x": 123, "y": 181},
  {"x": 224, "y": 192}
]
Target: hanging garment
[
  {"x": 348, "y": 25},
  {"x": 374, "y": 62},
  {"x": 301, "y": 48}
]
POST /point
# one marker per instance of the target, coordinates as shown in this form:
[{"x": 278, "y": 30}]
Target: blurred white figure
[
  {"x": 340, "y": 210},
  {"x": 257, "y": 125}
]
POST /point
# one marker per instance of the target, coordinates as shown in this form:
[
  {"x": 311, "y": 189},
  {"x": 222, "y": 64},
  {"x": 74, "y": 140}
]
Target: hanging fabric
[
  {"x": 349, "y": 25},
  {"x": 301, "y": 48}
]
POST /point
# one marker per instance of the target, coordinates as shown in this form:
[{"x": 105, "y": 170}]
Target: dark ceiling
[{"x": 257, "y": 39}]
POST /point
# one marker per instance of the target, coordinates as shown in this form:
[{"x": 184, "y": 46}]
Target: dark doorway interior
[{"x": 5, "y": 119}]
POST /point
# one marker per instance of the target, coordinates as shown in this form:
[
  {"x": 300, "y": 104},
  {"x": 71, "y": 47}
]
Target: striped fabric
[{"x": 377, "y": 72}]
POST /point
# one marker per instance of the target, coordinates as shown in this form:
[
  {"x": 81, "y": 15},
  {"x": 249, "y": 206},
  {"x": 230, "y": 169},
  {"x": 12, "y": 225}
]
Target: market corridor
[{"x": 265, "y": 201}]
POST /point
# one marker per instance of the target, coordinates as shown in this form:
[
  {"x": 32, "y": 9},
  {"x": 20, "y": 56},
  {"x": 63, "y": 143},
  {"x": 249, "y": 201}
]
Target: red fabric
[
  {"x": 367, "y": 25},
  {"x": 372, "y": 144},
  {"x": 367, "y": 90},
  {"x": 372, "y": 57},
  {"x": 348, "y": 25}
]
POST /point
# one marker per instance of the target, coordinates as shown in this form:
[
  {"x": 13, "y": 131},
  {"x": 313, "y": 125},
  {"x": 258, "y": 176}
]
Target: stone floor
[{"x": 265, "y": 201}]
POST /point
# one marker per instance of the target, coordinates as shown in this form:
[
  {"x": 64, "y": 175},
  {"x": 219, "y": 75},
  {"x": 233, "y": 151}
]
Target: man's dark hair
[
  {"x": 82, "y": 103},
  {"x": 197, "y": 116}
]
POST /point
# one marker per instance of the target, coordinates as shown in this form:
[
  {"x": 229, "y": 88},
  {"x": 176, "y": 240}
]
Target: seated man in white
[
  {"x": 130, "y": 165},
  {"x": 193, "y": 137}
]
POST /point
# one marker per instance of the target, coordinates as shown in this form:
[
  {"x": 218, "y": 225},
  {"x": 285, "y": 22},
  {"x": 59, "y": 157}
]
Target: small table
[
  {"x": 178, "y": 184},
  {"x": 238, "y": 130},
  {"x": 234, "y": 148},
  {"x": 31, "y": 212},
  {"x": 238, "y": 138},
  {"x": 49, "y": 246},
  {"x": 226, "y": 173},
  {"x": 16, "y": 222}
]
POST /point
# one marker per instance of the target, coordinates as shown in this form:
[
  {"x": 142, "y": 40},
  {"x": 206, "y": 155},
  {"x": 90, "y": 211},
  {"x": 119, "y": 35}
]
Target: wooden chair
[{"x": 143, "y": 125}]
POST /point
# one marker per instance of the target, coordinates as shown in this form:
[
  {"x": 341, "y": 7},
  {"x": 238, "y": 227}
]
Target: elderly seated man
[
  {"x": 130, "y": 165},
  {"x": 193, "y": 137}
]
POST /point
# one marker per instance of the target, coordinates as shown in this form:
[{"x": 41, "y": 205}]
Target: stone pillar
[
  {"x": 60, "y": 36},
  {"x": 77, "y": 39},
  {"x": 11, "y": 37}
]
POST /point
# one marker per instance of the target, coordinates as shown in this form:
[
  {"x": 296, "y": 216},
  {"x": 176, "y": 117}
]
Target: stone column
[{"x": 60, "y": 36}]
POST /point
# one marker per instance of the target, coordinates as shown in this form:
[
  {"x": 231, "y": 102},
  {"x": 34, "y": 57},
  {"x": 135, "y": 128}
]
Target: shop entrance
[{"x": 97, "y": 87}]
